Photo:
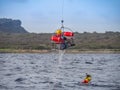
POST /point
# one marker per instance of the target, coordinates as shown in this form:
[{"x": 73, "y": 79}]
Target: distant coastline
[
  {"x": 86, "y": 51},
  {"x": 15, "y": 39},
  {"x": 83, "y": 41}
]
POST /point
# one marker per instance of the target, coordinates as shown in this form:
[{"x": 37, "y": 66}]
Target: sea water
[{"x": 59, "y": 71}]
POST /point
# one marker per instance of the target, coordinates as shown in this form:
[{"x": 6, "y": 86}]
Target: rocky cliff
[{"x": 11, "y": 26}]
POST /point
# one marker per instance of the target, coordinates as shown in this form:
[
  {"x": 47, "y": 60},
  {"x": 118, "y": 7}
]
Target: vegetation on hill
[
  {"x": 14, "y": 36},
  {"x": 108, "y": 40}
]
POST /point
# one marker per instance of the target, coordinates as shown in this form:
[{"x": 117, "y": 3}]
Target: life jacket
[{"x": 87, "y": 80}]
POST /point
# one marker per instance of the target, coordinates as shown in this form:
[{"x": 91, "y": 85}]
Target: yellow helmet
[
  {"x": 59, "y": 31},
  {"x": 88, "y": 78}
]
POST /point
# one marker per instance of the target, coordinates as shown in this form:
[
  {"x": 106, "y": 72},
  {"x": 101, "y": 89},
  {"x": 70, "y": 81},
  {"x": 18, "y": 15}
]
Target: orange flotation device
[{"x": 87, "y": 79}]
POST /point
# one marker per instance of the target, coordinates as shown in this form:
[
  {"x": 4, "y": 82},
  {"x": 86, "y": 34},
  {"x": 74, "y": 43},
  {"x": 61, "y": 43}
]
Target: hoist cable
[
  {"x": 62, "y": 21},
  {"x": 62, "y": 9}
]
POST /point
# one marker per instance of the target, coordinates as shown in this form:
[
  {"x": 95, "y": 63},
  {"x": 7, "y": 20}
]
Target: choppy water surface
[{"x": 59, "y": 71}]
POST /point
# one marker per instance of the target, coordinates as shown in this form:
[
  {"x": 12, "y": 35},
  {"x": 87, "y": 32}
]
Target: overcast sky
[{"x": 41, "y": 16}]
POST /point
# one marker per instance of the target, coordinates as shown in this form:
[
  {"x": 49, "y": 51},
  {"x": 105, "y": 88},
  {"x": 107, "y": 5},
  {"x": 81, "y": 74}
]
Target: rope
[
  {"x": 62, "y": 8},
  {"x": 62, "y": 21}
]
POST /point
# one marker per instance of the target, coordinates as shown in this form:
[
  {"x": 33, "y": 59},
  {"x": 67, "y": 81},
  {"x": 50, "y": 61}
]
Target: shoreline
[{"x": 84, "y": 51}]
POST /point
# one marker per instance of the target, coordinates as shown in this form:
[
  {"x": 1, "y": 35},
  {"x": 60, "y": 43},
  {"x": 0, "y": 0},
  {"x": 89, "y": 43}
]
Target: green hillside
[{"x": 108, "y": 40}]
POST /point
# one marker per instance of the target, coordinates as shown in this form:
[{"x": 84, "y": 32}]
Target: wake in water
[
  {"x": 58, "y": 76},
  {"x": 61, "y": 53},
  {"x": 59, "y": 64}
]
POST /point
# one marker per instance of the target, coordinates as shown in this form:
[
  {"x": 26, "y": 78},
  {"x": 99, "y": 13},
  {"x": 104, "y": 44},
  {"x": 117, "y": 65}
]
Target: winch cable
[
  {"x": 62, "y": 17},
  {"x": 62, "y": 21}
]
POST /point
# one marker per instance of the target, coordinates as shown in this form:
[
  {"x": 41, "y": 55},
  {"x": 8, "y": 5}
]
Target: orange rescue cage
[
  {"x": 69, "y": 34},
  {"x": 56, "y": 39},
  {"x": 62, "y": 39}
]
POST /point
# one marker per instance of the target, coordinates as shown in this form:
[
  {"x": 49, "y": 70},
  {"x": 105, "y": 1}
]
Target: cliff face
[{"x": 11, "y": 26}]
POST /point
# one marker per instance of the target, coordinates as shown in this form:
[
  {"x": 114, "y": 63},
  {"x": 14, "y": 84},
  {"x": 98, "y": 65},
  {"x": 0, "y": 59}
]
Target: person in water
[{"x": 87, "y": 79}]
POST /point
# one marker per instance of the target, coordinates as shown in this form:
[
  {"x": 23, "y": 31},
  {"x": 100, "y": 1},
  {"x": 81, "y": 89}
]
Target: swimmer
[{"x": 87, "y": 79}]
